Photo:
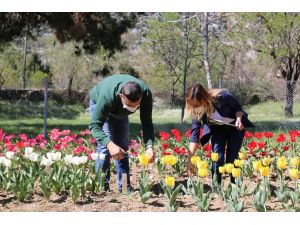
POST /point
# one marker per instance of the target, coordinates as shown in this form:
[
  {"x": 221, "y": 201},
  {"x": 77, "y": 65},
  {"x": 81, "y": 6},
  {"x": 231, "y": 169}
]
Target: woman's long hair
[{"x": 198, "y": 93}]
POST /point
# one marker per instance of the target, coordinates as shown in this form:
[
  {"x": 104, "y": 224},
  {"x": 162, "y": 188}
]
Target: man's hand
[
  {"x": 115, "y": 151},
  {"x": 151, "y": 154},
  {"x": 190, "y": 168}
]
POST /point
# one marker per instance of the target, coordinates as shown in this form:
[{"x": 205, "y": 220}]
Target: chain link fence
[{"x": 265, "y": 110}]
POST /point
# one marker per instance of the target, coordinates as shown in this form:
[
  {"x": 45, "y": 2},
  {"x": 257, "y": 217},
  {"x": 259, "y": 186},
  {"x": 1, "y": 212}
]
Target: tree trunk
[
  {"x": 183, "y": 96},
  {"x": 206, "y": 60},
  {"x": 220, "y": 80},
  {"x": 25, "y": 56},
  {"x": 2, "y": 80},
  {"x": 289, "y": 98},
  {"x": 70, "y": 87},
  {"x": 173, "y": 92},
  {"x": 185, "y": 71}
]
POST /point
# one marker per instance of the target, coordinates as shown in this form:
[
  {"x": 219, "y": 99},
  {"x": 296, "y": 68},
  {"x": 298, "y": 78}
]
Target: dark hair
[{"x": 132, "y": 91}]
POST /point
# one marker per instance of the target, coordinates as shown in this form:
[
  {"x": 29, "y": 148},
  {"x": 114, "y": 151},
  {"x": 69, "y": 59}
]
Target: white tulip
[
  {"x": 2, "y": 158},
  {"x": 76, "y": 160},
  {"x": 33, "y": 157},
  {"x": 49, "y": 155},
  {"x": 46, "y": 162},
  {"x": 10, "y": 155},
  {"x": 102, "y": 156},
  {"x": 68, "y": 159},
  {"x": 28, "y": 150},
  {"x": 83, "y": 159},
  {"x": 56, "y": 156},
  {"x": 7, "y": 162},
  {"x": 94, "y": 156}
]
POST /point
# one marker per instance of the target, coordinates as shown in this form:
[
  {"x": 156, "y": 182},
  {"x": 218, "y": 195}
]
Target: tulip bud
[
  {"x": 264, "y": 171},
  {"x": 94, "y": 156},
  {"x": 214, "y": 156},
  {"x": 7, "y": 162},
  {"x": 28, "y": 150},
  {"x": 294, "y": 174},
  {"x": 242, "y": 155},
  {"x": 257, "y": 165},
  {"x": 10, "y": 155},
  {"x": 295, "y": 161},
  {"x": 202, "y": 172},
  {"x": 266, "y": 161},
  {"x": 144, "y": 159},
  {"x": 236, "y": 172},
  {"x": 222, "y": 169},
  {"x": 282, "y": 163},
  {"x": 229, "y": 167},
  {"x": 195, "y": 159},
  {"x": 238, "y": 163},
  {"x": 170, "y": 181},
  {"x": 202, "y": 164},
  {"x": 102, "y": 156},
  {"x": 33, "y": 157}
]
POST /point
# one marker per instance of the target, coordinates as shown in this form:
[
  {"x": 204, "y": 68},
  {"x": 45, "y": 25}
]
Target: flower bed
[{"x": 266, "y": 173}]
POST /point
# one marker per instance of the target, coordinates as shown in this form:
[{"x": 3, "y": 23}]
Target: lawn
[{"x": 27, "y": 117}]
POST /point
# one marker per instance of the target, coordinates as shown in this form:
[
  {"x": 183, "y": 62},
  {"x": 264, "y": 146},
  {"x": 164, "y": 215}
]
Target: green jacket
[{"x": 108, "y": 104}]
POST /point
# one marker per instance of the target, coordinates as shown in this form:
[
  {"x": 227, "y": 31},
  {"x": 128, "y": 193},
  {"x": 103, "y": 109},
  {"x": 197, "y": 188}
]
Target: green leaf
[
  {"x": 260, "y": 208},
  {"x": 146, "y": 197},
  {"x": 239, "y": 207}
]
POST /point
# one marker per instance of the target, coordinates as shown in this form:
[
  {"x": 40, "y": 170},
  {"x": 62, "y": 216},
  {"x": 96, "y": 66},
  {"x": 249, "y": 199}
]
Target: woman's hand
[
  {"x": 238, "y": 124},
  {"x": 190, "y": 167}
]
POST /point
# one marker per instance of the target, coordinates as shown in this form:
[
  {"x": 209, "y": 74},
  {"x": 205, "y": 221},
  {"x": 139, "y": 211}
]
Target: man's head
[{"x": 131, "y": 95}]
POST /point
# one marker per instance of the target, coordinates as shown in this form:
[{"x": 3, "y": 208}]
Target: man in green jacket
[{"x": 111, "y": 101}]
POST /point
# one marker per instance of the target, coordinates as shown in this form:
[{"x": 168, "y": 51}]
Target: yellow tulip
[
  {"x": 282, "y": 158},
  {"x": 202, "y": 172},
  {"x": 295, "y": 161},
  {"x": 202, "y": 164},
  {"x": 172, "y": 161},
  {"x": 238, "y": 163},
  {"x": 229, "y": 167},
  {"x": 257, "y": 165},
  {"x": 195, "y": 159},
  {"x": 266, "y": 161},
  {"x": 236, "y": 172},
  {"x": 214, "y": 156},
  {"x": 294, "y": 174},
  {"x": 282, "y": 163},
  {"x": 144, "y": 159},
  {"x": 264, "y": 171},
  {"x": 222, "y": 169},
  {"x": 170, "y": 181},
  {"x": 242, "y": 155},
  {"x": 169, "y": 160}
]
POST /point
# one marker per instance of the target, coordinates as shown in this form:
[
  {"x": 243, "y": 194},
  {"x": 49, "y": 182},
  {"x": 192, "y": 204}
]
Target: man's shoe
[{"x": 106, "y": 187}]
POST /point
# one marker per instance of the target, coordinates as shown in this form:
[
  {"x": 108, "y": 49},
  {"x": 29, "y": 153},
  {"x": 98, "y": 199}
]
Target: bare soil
[{"x": 113, "y": 201}]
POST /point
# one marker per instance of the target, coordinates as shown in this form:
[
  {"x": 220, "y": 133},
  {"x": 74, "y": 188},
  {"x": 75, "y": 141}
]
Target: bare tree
[{"x": 174, "y": 40}]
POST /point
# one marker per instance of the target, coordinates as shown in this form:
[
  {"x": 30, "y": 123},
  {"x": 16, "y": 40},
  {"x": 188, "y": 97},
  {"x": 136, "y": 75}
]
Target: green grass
[
  {"x": 27, "y": 117},
  {"x": 270, "y": 116}
]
